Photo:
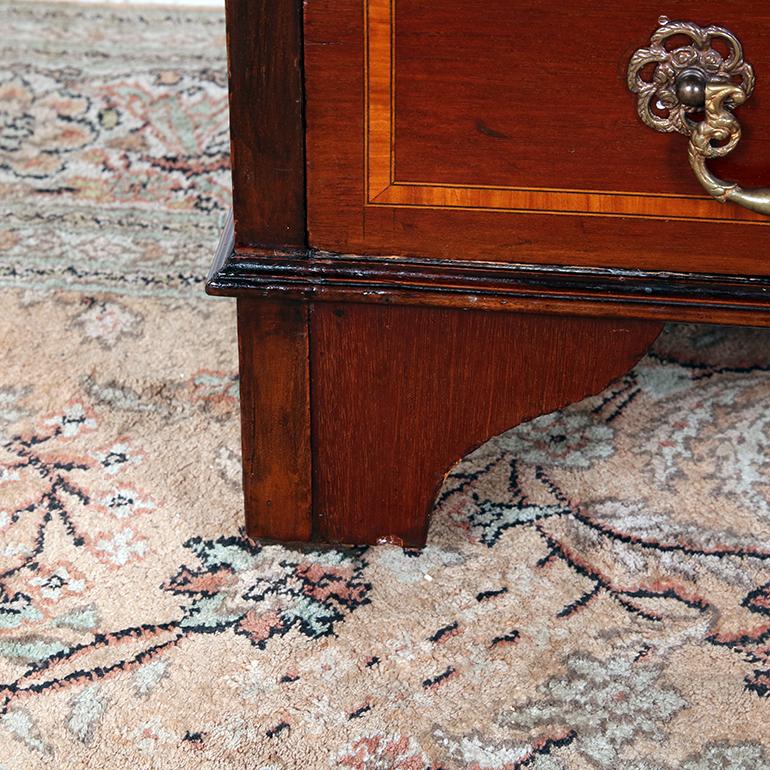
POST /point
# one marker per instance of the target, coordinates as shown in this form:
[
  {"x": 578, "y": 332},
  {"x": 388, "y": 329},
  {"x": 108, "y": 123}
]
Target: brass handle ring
[{"x": 692, "y": 89}]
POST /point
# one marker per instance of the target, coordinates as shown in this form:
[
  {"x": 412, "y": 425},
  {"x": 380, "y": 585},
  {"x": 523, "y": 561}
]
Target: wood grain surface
[
  {"x": 448, "y": 133},
  {"x": 449, "y": 183},
  {"x": 275, "y": 418},
  {"x": 400, "y": 394},
  {"x": 534, "y": 95},
  {"x": 267, "y": 135}
]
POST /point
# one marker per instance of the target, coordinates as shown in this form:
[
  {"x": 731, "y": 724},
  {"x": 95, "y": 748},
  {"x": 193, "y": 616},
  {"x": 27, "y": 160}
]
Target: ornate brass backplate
[
  {"x": 692, "y": 89},
  {"x": 671, "y": 94}
]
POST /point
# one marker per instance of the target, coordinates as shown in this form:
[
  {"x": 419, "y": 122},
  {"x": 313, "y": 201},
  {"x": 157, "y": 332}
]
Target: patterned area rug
[{"x": 596, "y": 588}]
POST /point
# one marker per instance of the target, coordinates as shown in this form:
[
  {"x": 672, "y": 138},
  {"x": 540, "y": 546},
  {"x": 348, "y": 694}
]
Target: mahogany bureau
[{"x": 450, "y": 217}]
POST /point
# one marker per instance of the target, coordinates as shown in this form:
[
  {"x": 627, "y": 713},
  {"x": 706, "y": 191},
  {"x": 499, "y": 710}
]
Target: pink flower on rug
[
  {"x": 106, "y": 321},
  {"x": 215, "y": 392},
  {"x": 38, "y": 115},
  {"x": 269, "y": 591},
  {"x": 204, "y": 583},
  {"x": 322, "y": 582},
  {"x": 260, "y": 626},
  {"x": 75, "y": 419},
  {"x": 115, "y": 457},
  {"x": 51, "y": 584},
  {"x": 125, "y": 502},
  {"x": 119, "y": 549},
  {"x": 394, "y": 752},
  {"x": 207, "y": 385}
]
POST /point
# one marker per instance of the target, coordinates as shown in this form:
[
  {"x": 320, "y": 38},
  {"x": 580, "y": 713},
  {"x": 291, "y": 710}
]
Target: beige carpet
[{"x": 596, "y": 588}]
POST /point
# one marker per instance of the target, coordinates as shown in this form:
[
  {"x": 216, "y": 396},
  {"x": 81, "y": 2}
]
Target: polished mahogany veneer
[
  {"x": 448, "y": 219},
  {"x": 503, "y": 130}
]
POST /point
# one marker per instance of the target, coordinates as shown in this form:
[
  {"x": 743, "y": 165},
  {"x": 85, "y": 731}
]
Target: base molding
[{"x": 311, "y": 275}]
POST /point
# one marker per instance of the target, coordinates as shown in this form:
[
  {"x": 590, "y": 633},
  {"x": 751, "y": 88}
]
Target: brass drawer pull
[{"x": 692, "y": 89}]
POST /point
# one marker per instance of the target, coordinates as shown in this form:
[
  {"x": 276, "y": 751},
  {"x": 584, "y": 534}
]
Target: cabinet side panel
[{"x": 266, "y": 123}]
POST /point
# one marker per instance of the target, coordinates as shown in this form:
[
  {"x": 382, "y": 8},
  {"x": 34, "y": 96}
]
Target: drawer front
[{"x": 504, "y": 130}]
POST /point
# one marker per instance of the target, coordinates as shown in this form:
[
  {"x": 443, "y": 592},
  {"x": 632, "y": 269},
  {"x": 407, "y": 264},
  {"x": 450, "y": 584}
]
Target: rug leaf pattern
[{"x": 595, "y": 592}]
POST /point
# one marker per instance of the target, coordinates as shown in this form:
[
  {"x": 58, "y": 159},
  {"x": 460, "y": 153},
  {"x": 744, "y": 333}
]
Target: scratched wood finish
[
  {"x": 400, "y": 394},
  {"x": 267, "y": 137},
  {"x": 462, "y": 116},
  {"x": 483, "y": 286},
  {"x": 275, "y": 418}
]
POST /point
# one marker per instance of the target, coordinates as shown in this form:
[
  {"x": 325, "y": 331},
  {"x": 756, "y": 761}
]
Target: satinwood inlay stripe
[{"x": 383, "y": 189}]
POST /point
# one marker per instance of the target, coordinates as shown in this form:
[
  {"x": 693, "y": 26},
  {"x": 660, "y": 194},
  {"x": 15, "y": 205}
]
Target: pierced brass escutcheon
[{"x": 693, "y": 89}]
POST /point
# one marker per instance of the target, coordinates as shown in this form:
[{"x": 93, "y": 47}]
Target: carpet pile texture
[{"x": 596, "y": 588}]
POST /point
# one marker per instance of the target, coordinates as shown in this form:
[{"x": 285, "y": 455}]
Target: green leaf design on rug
[
  {"x": 606, "y": 704},
  {"x": 88, "y": 707},
  {"x": 265, "y": 591}
]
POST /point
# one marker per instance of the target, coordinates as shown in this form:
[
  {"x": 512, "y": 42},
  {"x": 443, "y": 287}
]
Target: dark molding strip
[{"x": 321, "y": 276}]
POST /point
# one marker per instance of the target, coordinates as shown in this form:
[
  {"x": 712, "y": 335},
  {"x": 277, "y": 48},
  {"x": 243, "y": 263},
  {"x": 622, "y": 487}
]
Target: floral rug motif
[
  {"x": 595, "y": 592},
  {"x": 113, "y": 146}
]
